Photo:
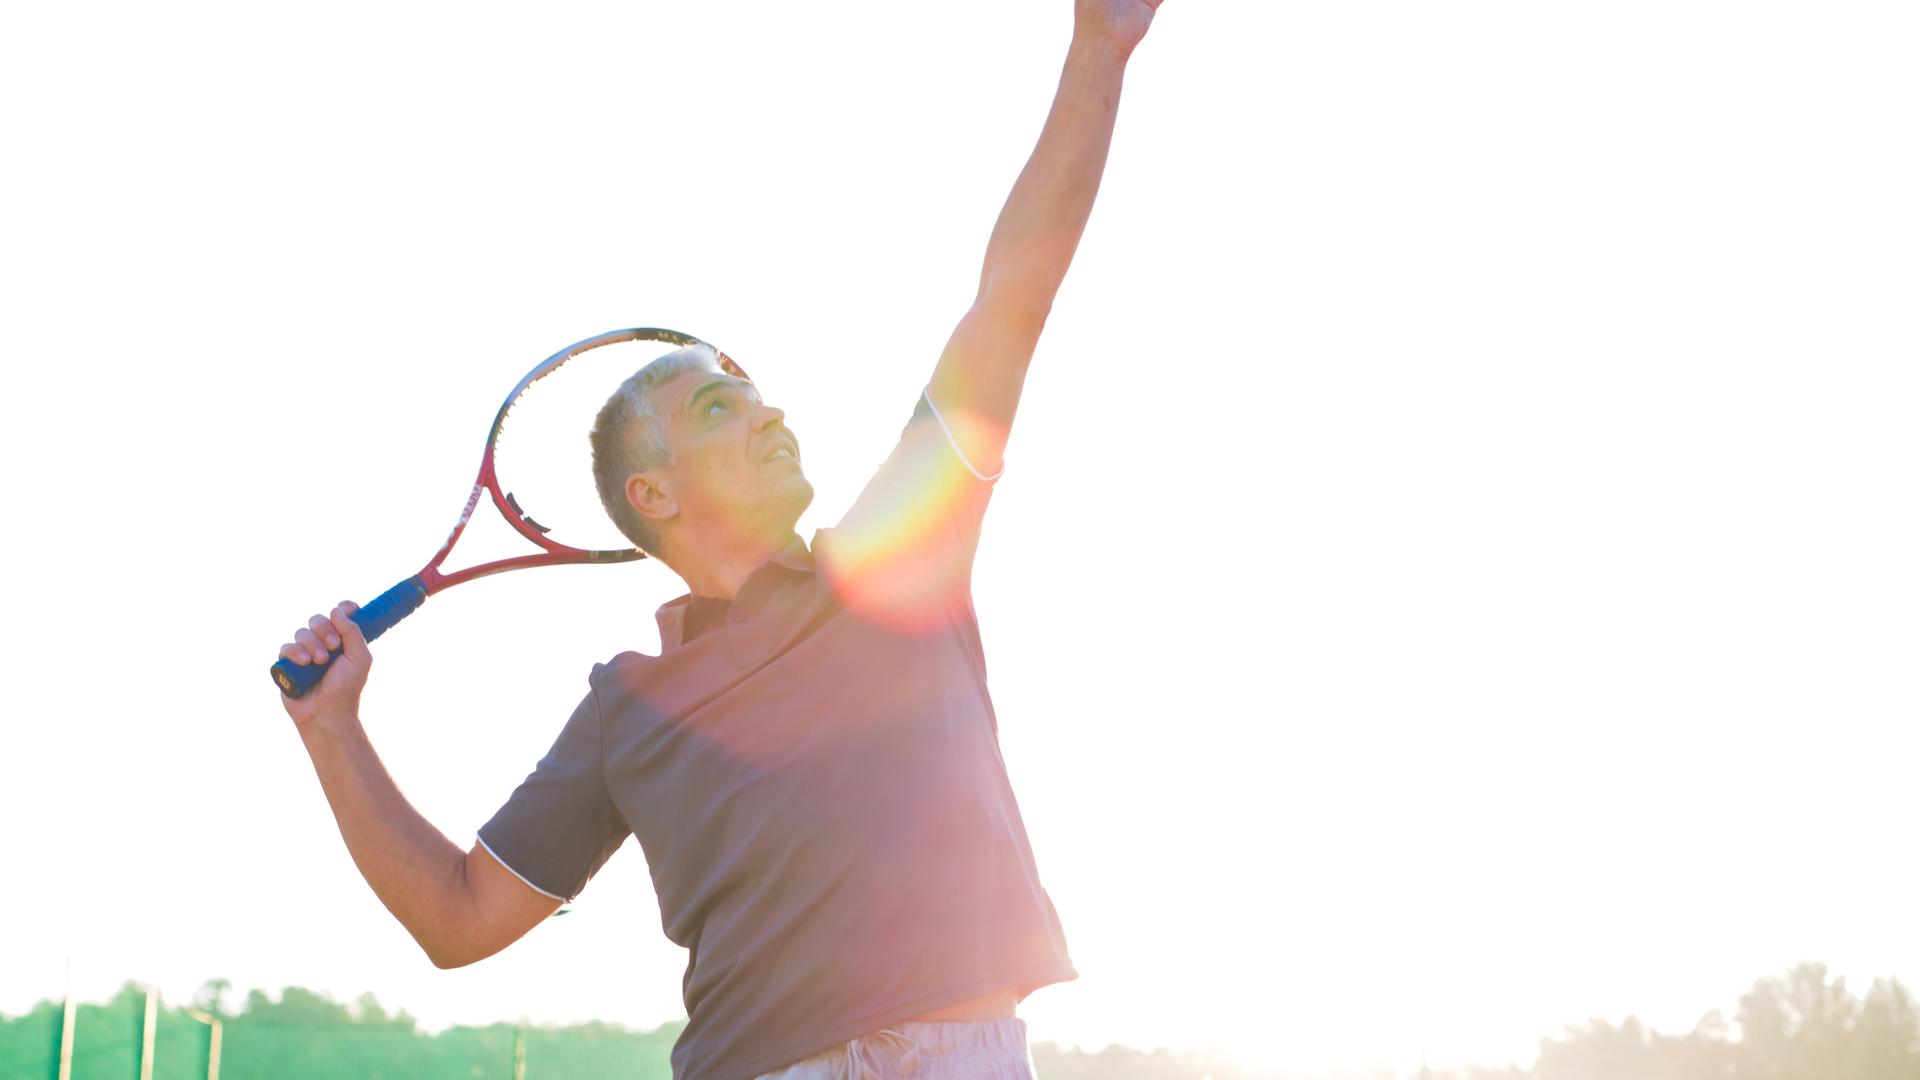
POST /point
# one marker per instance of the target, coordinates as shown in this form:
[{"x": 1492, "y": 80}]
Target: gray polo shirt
[{"x": 815, "y": 778}]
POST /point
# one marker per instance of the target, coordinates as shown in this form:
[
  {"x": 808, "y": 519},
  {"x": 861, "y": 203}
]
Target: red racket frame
[
  {"x": 384, "y": 611},
  {"x": 556, "y": 554}
]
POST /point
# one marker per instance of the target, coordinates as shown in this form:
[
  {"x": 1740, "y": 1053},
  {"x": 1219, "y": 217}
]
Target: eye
[{"x": 716, "y": 404}]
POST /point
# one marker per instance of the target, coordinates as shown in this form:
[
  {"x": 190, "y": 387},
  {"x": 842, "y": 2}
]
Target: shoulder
[
  {"x": 621, "y": 663},
  {"x": 621, "y": 676}
]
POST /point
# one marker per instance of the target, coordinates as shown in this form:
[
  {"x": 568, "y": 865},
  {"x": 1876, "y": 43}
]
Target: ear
[{"x": 645, "y": 494}]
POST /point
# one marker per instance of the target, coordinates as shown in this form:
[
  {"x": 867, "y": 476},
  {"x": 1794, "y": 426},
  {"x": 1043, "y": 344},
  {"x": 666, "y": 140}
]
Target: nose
[{"x": 766, "y": 416}]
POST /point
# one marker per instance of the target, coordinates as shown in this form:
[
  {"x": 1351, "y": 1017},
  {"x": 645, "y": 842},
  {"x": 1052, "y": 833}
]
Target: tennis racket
[{"x": 572, "y": 384}]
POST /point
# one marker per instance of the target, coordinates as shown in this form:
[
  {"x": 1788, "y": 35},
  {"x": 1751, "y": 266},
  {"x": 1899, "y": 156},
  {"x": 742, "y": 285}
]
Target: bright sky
[{"x": 1455, "y": 574}]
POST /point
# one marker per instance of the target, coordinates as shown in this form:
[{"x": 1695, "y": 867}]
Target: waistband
[
  {"x": 970, "y": 1048},
  {"x": 957, "y": 1036}
]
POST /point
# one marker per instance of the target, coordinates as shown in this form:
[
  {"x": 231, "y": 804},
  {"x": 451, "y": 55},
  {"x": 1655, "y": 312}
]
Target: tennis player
[{"x": 812, "y": 762}]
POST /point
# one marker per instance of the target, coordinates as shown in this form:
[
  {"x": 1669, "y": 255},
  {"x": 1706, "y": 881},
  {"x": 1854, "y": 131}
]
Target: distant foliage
[
  {"x": 304, "y": 1035},
  {"x": 1804, "y": 1025},
  {"x": 1800, "y": 1026},
  {"x": 106, "y": 1041}
]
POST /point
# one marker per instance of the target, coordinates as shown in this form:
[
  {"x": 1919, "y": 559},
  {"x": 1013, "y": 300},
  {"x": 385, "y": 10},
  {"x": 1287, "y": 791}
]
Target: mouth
[{"x": 782, "y": 450}]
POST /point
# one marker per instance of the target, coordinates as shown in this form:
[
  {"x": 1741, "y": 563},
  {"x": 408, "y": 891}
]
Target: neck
[{"x": 718, "y": 566}]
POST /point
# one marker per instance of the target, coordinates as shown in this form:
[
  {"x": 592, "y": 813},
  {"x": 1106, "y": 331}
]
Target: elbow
[
  {"x": 1011, "y": 327},
  {"x": 450, "y": 957},
  {"x": 449, "y": 942},
  {"x": 446, "y": 958},
  {"x": 1018, "y": 305},
  {"x": 448, "y": 933},
  {"x": 457, "y": 945}
]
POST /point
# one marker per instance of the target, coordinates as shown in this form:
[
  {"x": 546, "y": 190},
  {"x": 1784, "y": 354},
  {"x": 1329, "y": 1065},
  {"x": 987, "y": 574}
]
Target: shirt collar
[
  {"x": 794, "y": 556},
  {"x": 672, "y": 615}
]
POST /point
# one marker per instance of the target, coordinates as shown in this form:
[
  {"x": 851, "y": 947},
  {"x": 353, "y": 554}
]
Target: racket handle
[{"x": 379, "y": 616}]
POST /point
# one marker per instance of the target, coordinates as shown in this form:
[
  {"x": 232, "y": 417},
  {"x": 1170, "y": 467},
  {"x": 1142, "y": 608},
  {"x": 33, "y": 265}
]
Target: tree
[
  {"x": 297, "y": 1005},
  {"x": 211, "y": 998},
  {"x": 367, "y": 1012},
  {"x": 1887, "y": 1034},
  {"x": 1797, "y": 1027}
]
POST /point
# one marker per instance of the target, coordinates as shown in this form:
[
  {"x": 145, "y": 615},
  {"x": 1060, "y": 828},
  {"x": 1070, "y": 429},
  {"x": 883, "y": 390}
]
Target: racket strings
[{"x": 543, "y": 458}]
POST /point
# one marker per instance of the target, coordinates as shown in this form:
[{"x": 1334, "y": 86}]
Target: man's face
[{"x": 734, "y": 461}]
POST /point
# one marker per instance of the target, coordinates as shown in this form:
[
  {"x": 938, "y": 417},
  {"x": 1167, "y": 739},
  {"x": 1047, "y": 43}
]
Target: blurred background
[{"x": 1454, "y": 577}]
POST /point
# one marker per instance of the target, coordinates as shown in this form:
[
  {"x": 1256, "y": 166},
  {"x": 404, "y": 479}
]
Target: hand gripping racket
[{"x": 387, "y": 609}]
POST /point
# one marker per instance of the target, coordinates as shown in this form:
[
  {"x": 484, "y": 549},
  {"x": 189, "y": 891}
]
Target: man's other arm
[
  {"x": 977, "y": 382},
  {"x": 460, "y": 906}
]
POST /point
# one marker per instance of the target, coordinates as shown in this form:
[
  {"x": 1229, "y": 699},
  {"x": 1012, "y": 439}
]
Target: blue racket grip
[{"x": 379, "y": 616}]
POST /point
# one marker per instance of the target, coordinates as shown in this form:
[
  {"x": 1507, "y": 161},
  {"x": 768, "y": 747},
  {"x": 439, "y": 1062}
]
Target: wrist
[
  {"x": 323, "y": 731},
  {"x": 1093, "y": 46}
]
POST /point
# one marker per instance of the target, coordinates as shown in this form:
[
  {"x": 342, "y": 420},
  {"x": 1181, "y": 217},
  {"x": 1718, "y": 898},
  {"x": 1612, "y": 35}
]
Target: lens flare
[{"x": 901, "y": 556}]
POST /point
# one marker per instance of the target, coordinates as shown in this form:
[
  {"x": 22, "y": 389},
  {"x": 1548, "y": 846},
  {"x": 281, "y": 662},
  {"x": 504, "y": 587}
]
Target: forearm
[
  {"x": 1039, "y": 228},
  {"x": 414, "y": 869}
]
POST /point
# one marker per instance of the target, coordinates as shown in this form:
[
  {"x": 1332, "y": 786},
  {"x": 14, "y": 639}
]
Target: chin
[
  {"x": 779, "y": 507},
  {"x": 800, "y": 496}
]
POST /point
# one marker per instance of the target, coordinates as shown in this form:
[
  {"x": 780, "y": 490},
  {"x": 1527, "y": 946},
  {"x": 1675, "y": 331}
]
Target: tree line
[{"x": 1803, "y": 1025}]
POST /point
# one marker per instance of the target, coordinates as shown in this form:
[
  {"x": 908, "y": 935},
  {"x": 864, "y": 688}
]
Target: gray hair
[{"x": 630, "y": 436}]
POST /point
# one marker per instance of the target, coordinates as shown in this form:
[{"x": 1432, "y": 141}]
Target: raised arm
[
  {"x": 905, "y": 548},
  {"x": 976, "y": 384}
]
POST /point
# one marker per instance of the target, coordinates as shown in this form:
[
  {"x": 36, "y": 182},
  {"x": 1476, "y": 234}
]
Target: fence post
[
  {"x": 213, "y": 1042},
  {"x": 520, "y": 1052},
  {"x": 146, "y": 1034},
  {"x": 66, "y": 1027}
]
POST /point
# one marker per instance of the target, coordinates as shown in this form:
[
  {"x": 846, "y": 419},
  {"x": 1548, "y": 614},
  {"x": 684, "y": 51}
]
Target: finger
[
  {"x": 310, "y": 642},
  {"x": 324, "y": 630},
  {"x": 354, "y": 643},
  {"x": 300, "y": 649}
]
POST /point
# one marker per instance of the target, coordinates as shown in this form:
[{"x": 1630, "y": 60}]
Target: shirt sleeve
[
  {"x": 560, "y": 825},
  {"x": 907, "y": 544}
]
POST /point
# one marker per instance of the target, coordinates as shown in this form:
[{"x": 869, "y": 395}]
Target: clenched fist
[{"x": 337, "y": 696}]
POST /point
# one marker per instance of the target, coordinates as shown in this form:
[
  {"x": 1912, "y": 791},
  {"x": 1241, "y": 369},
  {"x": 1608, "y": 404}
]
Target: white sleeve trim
[
  {"x": 955, "y": 443},
  {"x": 478, "y": 839}
]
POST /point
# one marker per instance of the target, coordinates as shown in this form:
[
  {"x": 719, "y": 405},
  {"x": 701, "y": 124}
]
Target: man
[{"x": 812, "y": 764}]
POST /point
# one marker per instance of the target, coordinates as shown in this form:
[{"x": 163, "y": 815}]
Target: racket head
[{"x": 519, "y": 509}]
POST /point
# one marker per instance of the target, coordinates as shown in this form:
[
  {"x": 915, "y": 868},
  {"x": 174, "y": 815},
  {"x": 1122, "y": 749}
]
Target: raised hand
[{"x": 1121, "y": 23}]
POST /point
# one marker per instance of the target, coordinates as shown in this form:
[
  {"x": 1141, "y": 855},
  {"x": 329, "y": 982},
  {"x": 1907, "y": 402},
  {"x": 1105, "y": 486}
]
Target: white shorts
[{"x": 950, "y": 1050}]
